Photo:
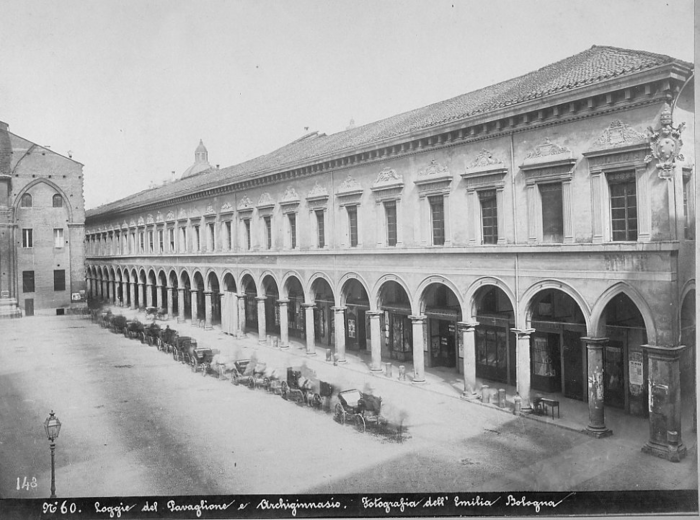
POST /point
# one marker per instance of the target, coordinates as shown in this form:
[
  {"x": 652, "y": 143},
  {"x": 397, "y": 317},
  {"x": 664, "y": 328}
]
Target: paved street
[{"x": 137, "y": 423}]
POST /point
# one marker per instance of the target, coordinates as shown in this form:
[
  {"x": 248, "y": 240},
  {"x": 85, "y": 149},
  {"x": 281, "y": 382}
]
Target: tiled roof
[{"x": 589, "y": 67}]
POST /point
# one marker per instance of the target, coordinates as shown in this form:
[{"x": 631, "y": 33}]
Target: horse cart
[
  {"x": 166, "y": 338},
  {"x": 199, "y": 358},
  {"x": 151, "y": 334},
  {"x": 134, "y": 329},
  {"x": 303, "y": 386},
  {"x": 181, "y": 346},
  {"x": 242, "y": 368},
  {"x": 118, "y": 324},
  {"x": 365, "y": 411}
]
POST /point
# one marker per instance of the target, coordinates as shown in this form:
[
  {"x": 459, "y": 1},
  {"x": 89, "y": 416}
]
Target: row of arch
[{"x": 320, "y": 285}]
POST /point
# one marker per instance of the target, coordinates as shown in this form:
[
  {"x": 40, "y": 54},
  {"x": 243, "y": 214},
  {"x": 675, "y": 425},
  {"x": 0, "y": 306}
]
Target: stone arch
[
  {"x": 181, "y": 276},
  {"x": 207, "y": 279},
  {"x": 228, "y": 280},
  {"x": 524, "y": 310},
  {"x": 470, "y": 297},
  {"x": 597, "y": 324},
  {"x": 318, "y": 275},
  {"x": 375, "y": 296},
  {"x": 197, "y": 274},
  {"x": 344, "y": 280},
  {"x": 246, "y": 274},
  {"x": 52, "y": 185},
  {"x": 262, "y": 285},
  {"x": 419, "y": 296},
  {"x": 284, "y": 287}
]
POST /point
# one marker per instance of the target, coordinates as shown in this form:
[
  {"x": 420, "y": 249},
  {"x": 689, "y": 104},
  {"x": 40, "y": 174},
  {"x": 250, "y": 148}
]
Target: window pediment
[
  {"x": 434, "y": 179},
  {"x": 226, "y": 208},
  {"x": 318, "y": 193},
  {"x": 265, "y": 202},
  {"x": 548, "y": 162},
  {"x": 349, "y": 192},
  {"x": 618, "y": 146},
  {"x": 388, "y": 179},
  {"x": 485, "y": 171}
]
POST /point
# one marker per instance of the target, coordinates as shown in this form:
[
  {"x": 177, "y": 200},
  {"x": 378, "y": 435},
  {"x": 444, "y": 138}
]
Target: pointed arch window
[
  {"x": 26, "y": 201},
  {"x": 57, "y": 201}
]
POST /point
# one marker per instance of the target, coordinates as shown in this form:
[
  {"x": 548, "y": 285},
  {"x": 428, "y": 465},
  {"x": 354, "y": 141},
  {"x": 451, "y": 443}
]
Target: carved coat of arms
[{"x": 665, "y": 144}]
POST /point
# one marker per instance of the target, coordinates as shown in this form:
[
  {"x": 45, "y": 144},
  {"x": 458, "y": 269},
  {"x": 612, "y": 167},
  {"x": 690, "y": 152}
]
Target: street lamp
[{"x": 52, "y": 426}]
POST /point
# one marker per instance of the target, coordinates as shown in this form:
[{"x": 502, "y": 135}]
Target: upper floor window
[
  {"x": 142, "y": 244},
  {"x": 623, "y": 206},
  {"x": 552, "y": 212},
  {"x": 196, "y": 239},
  {"x": 246, "y": 223},
  {"x": 268, "y": 231},
  {"x": 211, "y": 237},
  {"x": 26, "y": 201},
  {"x": 320, "y": 220},
  {"x": 58, "y": 237},
  {"x": 27, "y": 238},
  {"x": 352, "y": 224},
  {"x": 437, "y": 218},
  {"x": 171, "y": 239},
  {"x": 57, "y": 201},
  {"x": 228, "y": 239},
  {"x": 161, "y": 246},
  {"x": 293, "y": 229},
  {"x": 390, "y": 210},
  {"x": 489, "y": 216},
  {"x": 59, "y": 280},
  {"x": 150, "y": 241}
]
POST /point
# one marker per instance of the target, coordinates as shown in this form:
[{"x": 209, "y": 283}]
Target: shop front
[
  {"x": 295, "y": 317},
  {"x": 442, "y": 338},
  {"x": 398, "y": 338},
  {"x": 356, "y": 327},
  {"x": 495, "y": 348},
  {"x": 324, "y": 324}
]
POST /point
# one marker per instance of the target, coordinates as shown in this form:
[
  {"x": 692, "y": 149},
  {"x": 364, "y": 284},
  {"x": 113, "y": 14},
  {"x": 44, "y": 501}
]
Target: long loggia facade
[{"x": 538, "y": 233}]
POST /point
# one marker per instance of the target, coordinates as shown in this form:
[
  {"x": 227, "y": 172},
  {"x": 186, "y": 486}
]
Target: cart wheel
[
  {"x": 284, "y": 388},
  {"x": 204, "y": 369},
  {"x": 360, "y": 424},
  {"x": 251, "y": 383},
  {"x": 266, "y": 383},
  {"x": 234, "y": 379},
  {"x": 339, "y": 413},
  {"x": 193, "y": 364},
  {"x": 316, "y": 401}
]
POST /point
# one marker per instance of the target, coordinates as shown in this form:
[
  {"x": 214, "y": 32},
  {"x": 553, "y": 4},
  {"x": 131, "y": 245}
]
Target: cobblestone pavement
[{"x": 137, "y": 423}]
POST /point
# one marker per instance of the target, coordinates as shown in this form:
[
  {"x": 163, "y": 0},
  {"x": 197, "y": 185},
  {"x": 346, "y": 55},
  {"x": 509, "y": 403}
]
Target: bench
[{"x": 549, "y": 404}]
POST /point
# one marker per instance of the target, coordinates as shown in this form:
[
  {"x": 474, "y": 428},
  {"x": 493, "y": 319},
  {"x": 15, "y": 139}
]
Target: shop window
[
  {"x": 28, "y": 281},
  {"x": 491, "y": 353},
  {"x": 59, "y": 280},
  {"x": 352, "y": 224},
  {"x": 292, "y": 217},
  {"x": 390, "y": 210},
  {"x": 623, "y": 206},
  {"x": 437, "y": 217},
  {"x": 57, "y": 201},
  {"x": 489, "y": 216},
  {"x": 26, "y": 201},
  {"x": 400, "y": 339},
  {"x": 27, "y": 238},
  {"x": 268, "y": 231},
  {"x": 552, "y": 213},
  {"x": 321, "y": 228},
  {"x": 58, "y": 237}
]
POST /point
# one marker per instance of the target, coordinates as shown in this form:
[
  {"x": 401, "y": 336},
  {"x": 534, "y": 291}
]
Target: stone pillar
[
  {"x": 262, "y": 322},
  {"x": 596, "y": 397},
  {"x": 102, "y": 289},
  {"x": 181, "y": 305},
  {"x": 664, "y": 403},
  {"x": 418, "y": 345},
  {"x": 193, "y": 305},
  {"x": 159, "y": 296},
  {"x": 241, "y": 316},
  {"x": 284, "y": 323},
  {"x": 113, "y": 283},
  {"x": 375, "y": 332},
  {"x": 207, "y": 310},
  {"x": 125, "y": 288},
  {"x": 523, "y": 367},
  {"x": 170, "y": 301},
  {"x": 469, "y": 360},
  {"x": 310, "y": 334},
  {"x": 339, "y": 316},
  {"x": 149, "y": 294},
  {"x": 141, "y": 297},
  {"x": 234, "y": 315},
  {"x": 132, "y": 295}
]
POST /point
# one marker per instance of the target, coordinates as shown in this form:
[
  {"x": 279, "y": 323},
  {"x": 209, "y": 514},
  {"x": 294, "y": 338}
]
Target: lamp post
[{"x": 52, "y": 426}]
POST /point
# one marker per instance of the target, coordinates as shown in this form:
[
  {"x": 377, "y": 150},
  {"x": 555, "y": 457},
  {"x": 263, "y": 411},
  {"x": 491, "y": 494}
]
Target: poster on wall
[
  {"x": 636, "y": 373},
  {"x": 351, "y": 328}
]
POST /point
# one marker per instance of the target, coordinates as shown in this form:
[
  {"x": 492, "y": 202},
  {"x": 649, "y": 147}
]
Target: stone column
[
  {"x": 339, "y": 316},
  {"x": 310, "y": 334},
  {"x": 596, "y": 396},
  {"x": 234, "y": 315},
  {"x": 284, "y": 323},
  {"x": 159, "y": 296},
  {"x": 664, "y": 403},
  {"x": 469, "y": 360},
  {"x": 102, "y": 289},
  {"x": 262, "y": 322},
  {"x": 114, "y": 291},
  {"x": 170, "y": 301},
  {"x": 376, "y": 339},
  {"x": 207, "y": 310},
  {"x": 193, "y": 304},
  {"x": 149, "y": 295},
  {"x": 141, "y": 297},
  {"x": 241, "y": 316},
  {"x": 132, "y": 295},
  {"x": 124, "y": 290},
  {"x": 523, "y": 367},
  {"x": 418, "y": 345},
  {"x": 181, "y": 305}
]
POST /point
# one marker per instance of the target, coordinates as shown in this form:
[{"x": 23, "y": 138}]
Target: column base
[
  {"x": 418, "y": 381},
  {"x": 309, "y": 353},
  {"x": 665, "y": 451},
  {"x": 469, "y": 395},
  {"x": 208, "y": 327},
  {"x": 342, "y": 361},
  {"x": 262, "y": 342},
  {"x": 376, "y": 369},
  {"x": 598, "y": 431},
  {"x": 284, "y": 347}
]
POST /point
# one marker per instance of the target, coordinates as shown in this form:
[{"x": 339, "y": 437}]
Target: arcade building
[{"x": 538, "y": 232}]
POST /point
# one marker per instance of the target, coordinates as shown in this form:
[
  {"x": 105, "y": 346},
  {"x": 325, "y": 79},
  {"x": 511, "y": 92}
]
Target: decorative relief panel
[
  {"x": 170, "y": 215},
  {"x": 548, "y": 161},
  {"x": 290, "y": 200},
  {"x": 349, "y": 192},
  {"x": 195, "y": 213},
  {"x": 433, "y": 179},
  {"x": 317, "y": 192},
  {"x": 159, "y": 217},
  {"x": 388, "y": 185},
  {"x": 265, "y": 201},
  {"x": 125, "y": 225},
  {"x": 182, "y": 215},
  {"x": 226, "y": 208},
  {"x": 210, "y": 210},
  {"x": 484, "y": 171},
  {"x": 149, "y": 219},
  {"x": 619, "y": 145},
  {"x": 132, "y": 223},
  {"x": 141, "y": 221},
  {"x": 245, "y": 204}
]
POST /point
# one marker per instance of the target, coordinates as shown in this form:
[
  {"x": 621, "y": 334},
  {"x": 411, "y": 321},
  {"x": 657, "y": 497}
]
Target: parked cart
[
  {"x": 364, "y": 411},
  {"x": 199, "y": 358},
  {"x": 166, "y": 339},
  {"x": 181, "y": 347},
  {"x": 241, "y": 368},
  {"x": 151, "y": 333},
  {"x": 134, "y": 329}
]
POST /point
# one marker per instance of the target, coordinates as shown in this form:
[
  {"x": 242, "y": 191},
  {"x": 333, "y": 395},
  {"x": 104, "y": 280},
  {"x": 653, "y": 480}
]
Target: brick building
[
  {"x": 42, "y": 235},
  {"x": 532, "y": 233}
]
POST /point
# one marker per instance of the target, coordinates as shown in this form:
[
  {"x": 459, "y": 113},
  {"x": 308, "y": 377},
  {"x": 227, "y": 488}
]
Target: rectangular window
[
  {"x": 321, "y": 228},
  {"x": 293, "y": 229},
  {"x": 246, "y": 222},
  {"x": 268, "y": 231},
  {"x": 390, "y": 209},
  {"x": 27, "y": 281},
  {"x": 182, "y": 247},
  {"x": 352, "y": 225},
  {"x": 623, "y": 206},
  {"x": 489, "y": 217},
  {"x": 141, "y": 242},
  {"x": 229, "y": 239},
  {"x": 171, "y": 239},
  {"x": 196, "y": 238},
  {"x": 58, "y": 237},
  {"x": 437, "y": 217},
  {"x": 689, "y": 227},
  {"x": 150, "y": 241},
  {"x": 211, "y": 238},
  {"x": 59, "y": 280},
  {"x": 552, "y": 213},
  {"x": 27, "y": 239},
  {"x": 160, "y": 241}
]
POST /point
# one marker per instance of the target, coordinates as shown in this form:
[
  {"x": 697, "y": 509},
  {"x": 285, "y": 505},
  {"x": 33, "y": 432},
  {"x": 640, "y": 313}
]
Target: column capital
[
  {"x": 594, "y": 342},
  {"x": 194, "y": 290},
  {"x": 241, "y": 296},
  {"x": 467, "y": 325},
  {"x": 669, "y": 352},
  {"x": 308, "y": 305},
  {"x": 169, "y": 287},
  {"x": 208, "y": 293},
  {"x": 374, "y": 314},
  {"x": 418, "y": 318},
  {"x": 261, "y": 298},
  {"x": 339, "y": 309},
  {"x": 149, "y": 284},
  {"x": 523, "y": 333},
  {"x": 282, "y": 302}
]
